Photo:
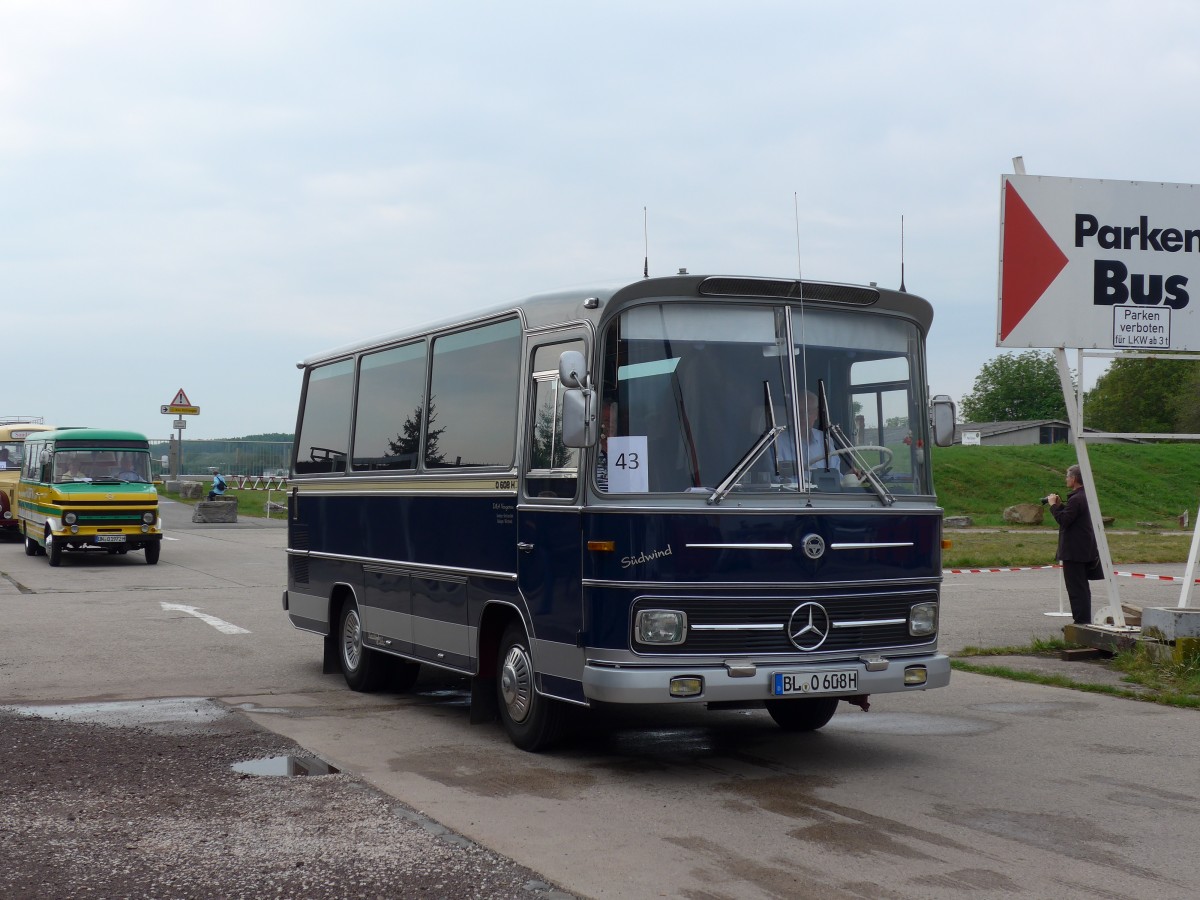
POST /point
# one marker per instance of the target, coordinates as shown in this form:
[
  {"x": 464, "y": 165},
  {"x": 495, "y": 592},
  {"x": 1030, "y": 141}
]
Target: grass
[
  {"x": 1151, "y": 678},
  {"x": 1137, "y": 483},
  {"x": 1143, "y": 487},
  {"x": 249, "y": 503},
  {"x": 1036, "y": 547}
]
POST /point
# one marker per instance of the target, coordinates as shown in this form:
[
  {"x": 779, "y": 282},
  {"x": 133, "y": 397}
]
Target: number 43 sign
[{"x": 627, "y": 465}]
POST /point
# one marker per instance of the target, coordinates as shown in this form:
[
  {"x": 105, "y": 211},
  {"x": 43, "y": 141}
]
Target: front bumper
[{"x": 651, "y": 684}]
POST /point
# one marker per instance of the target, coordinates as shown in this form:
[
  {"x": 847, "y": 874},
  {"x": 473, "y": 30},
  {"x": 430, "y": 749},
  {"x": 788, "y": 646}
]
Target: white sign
[
  {"x": 1098, "y": 264},
  {"x": 627, "y": 465},
  {"x": 971, "y": 439},
  {"x": 180, "y": 423}
]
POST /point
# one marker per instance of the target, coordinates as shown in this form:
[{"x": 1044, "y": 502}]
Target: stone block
[
  {"x": 191, "y": 490},
  {"x": 214, "y": 511},
  {"x": 958, "y": 521},
  {"x": 1170, "y": 623},
  {"x": 1025, "y": 514}
]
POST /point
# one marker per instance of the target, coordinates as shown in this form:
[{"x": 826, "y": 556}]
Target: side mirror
[
  {"x": 579, "y": 425},
  {"x": 944, "y": 415},
  {"x": 572, "y": 371}
]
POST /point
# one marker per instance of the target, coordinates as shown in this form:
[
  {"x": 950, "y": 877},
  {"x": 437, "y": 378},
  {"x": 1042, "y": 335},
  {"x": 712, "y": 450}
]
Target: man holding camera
[{"x": 1076, "y": 545}]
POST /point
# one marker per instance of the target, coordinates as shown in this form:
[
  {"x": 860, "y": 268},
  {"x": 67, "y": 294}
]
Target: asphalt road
[{"x": 985, "y": 788}]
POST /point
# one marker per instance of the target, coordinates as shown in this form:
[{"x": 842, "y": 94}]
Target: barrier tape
[
  {"x": 1177, "y": 579},
  {"x": 988, "y": 571}
]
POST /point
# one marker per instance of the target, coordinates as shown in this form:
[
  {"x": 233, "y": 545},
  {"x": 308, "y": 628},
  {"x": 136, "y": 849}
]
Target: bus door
[{"x": 548, "y": 519}]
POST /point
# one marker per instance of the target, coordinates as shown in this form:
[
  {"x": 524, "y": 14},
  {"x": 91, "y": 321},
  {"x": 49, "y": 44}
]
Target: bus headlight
[
  {"x": 660, "y": 626},
  {"x": 70, "y": 518},
  {"x": 922, "y": 619},
  {"x": 148, "y": 518}
]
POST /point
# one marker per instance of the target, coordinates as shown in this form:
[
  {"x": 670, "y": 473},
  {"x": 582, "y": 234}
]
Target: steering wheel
[{"x": 882, "y": 466}]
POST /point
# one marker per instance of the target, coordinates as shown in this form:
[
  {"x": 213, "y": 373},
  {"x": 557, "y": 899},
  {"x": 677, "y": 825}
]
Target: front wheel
[
  {"x": 53, "y": 550},
  {"x": 533, "y": 722},
  {"x": 802, "y": 715},
  {"x": 364, "y": 669},
  {"x": 152, "y": 552}
]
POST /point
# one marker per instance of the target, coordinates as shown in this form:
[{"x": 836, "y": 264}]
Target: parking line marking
[{"x": 220, "y": 624}]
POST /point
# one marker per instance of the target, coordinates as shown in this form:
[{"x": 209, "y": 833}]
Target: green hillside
[{"x": 1135, "y": 482}]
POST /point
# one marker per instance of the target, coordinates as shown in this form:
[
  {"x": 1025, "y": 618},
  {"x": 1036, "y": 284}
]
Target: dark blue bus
[{"x": 680, "y": 490}]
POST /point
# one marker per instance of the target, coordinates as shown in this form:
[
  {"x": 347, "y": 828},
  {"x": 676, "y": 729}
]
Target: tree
[
  {"x": 1016, "y": 388},
  {"x": 1146, "y": 395}
]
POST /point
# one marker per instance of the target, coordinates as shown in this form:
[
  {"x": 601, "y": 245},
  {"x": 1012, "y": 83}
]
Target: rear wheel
[
  {"x": 31, "y": 546},
  {"x": 53, "y": 550},
  {"x": 364, "y": 669},
  {"x": 802, "y": 715},
  {"x": 533, "y": 722},
  {"x": 152, "y": 551}
]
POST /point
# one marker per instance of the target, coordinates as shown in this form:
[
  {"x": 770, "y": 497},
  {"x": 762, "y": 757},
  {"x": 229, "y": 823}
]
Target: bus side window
[
  {"x": 552, "y": 468},
  {"x": 324, "y": 436}
]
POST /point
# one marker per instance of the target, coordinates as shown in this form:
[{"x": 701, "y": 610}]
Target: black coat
[{"x": 1076, "y": 542}]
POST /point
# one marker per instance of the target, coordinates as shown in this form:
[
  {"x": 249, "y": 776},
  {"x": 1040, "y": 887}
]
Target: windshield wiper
[
  {"x": 839, "y": 437},
  {"x": 751, "y": 456},
  {"x": 831, "y": 430}
]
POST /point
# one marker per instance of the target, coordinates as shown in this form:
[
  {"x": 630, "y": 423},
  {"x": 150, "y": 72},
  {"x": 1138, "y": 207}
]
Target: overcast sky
[{"x": 197, "y": 195}]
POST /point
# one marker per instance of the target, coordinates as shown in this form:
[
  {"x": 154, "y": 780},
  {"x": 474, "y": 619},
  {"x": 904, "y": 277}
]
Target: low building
[{"x": 1032, "y": 431}]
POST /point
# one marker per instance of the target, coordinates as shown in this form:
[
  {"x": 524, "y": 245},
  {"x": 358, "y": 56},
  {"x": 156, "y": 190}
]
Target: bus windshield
[
  {"x": 12, "y": 453},
  {"x": 773, "y": 398},
  {"x": 100, "y": 465}
]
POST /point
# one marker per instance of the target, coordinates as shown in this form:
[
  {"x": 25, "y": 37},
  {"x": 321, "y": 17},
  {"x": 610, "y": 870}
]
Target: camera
[{"x": 1045, "y": 500}]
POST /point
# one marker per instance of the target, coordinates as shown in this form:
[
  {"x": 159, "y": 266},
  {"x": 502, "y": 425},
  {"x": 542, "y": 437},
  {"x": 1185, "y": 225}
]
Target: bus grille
[
  {"x": 748, "y": 615},
  {"x": 126, "y": 519}
]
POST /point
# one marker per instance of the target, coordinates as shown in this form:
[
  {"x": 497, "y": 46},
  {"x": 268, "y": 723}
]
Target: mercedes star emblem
[{"x": 808, "y": 627}]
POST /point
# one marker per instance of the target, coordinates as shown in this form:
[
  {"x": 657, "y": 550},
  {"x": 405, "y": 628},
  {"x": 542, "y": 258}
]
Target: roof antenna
[
  {"x": 796, "y": 208},
  {"x": 646, "y": 242},
  {"x": 903, "y": 289}
]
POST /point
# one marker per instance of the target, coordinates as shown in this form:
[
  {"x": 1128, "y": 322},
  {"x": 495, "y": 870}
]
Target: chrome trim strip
[
  {"x": 867, "y": 623},
  {"x": 931, "y": 582},
  {"x": 868, "y": 546},
  {"x": 776, "y": 627},
  {"x": 414, "y": 568},
  {"x": 739, "y": 546}
]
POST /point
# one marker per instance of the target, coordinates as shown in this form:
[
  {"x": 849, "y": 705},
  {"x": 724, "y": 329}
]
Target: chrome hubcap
[
  {"x": 516, "y": 684},
  {"x": 352, "y": 640}
]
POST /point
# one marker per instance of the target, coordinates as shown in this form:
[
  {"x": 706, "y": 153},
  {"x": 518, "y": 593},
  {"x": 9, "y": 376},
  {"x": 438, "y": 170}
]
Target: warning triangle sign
[{"x": 181, "y": 399}]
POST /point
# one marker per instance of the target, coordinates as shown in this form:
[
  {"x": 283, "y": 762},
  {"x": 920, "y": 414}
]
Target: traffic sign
[
  {"x": 179, "y": 423},
  {"x": 180, "y": 405},
  {"x": 1098, "y": 264}
]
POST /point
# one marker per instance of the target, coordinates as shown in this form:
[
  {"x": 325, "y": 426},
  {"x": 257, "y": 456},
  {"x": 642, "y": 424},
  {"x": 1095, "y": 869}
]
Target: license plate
[
  {"x": 110, "y": 539},
  {"x": 838, "y": 681}
]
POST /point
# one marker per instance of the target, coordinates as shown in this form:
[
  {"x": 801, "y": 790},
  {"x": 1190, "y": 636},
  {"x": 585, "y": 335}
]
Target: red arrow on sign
[{"x": 1031, "y": 261}]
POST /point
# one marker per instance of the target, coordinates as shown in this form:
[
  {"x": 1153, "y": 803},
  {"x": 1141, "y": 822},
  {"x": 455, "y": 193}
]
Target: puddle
[{"x": 285, "y": 765}]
